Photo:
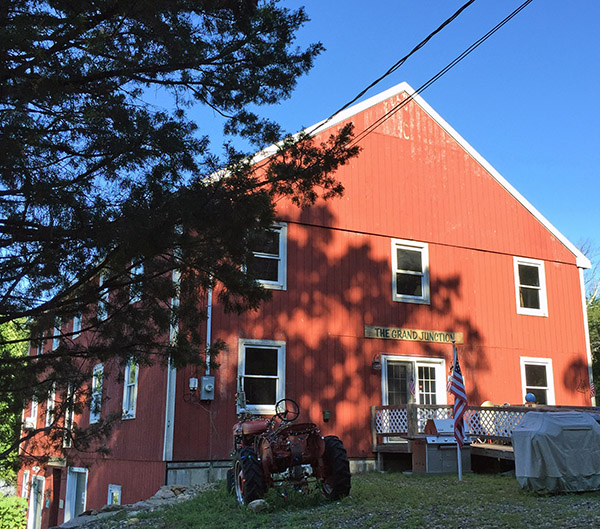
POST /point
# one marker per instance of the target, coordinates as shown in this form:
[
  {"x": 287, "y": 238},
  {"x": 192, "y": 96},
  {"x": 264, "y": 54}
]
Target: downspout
[
  {"x": 208, "y": 329},
  {"x": 587, "y": 330}
]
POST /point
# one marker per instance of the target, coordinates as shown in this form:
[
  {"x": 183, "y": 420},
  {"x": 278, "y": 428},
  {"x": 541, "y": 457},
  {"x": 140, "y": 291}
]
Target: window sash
[
  {"x": 530, "y": 386},
  {"x": 130, "y": 390},
  {"x": 415, "y": 281},
  {"x": 273, "y": 387},
  {"x": 267, "y": 258},
  {"x": 530, "y": 291},
  {"x": 96, "y": 397}
]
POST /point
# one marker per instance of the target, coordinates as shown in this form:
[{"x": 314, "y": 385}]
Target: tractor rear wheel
[
  {"x": 336, "y": 484},
  {"x": 249, "y": 482}
]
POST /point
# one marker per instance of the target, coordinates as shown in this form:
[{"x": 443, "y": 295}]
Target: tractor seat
[{"x": 254, "y": 427}]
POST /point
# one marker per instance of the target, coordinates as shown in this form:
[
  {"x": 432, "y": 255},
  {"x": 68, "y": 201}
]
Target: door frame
[
  {"x": 71, "y": 491},
  {"x": 32, "y": 517},
  {"x": 416, "y": 361}
]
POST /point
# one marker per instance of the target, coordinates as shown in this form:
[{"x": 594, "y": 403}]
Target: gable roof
[{"x": 582, "y": 260}]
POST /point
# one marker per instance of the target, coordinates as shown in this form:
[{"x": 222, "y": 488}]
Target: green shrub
[{"x": 13, "y": 512}]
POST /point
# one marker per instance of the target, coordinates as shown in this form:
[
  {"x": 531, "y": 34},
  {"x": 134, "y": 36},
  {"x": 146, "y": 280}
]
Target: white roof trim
[{"x": 582, "y": 260}]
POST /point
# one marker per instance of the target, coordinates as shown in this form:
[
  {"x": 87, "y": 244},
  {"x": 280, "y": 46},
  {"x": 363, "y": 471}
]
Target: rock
[
  {"x": 164, "y": 493},
  {"x": 258, "y": 505}
]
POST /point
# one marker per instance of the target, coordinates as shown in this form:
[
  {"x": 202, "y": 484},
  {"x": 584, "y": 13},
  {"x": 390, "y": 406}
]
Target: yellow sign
[{"x": 412, "y": 335}]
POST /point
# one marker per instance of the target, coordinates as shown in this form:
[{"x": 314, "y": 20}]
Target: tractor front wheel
[
  {"x": 248, "y": 476},
  {"x": 336, "y": 484}
]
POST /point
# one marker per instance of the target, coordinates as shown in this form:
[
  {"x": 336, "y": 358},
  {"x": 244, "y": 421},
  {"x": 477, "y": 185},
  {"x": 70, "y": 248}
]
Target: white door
[
  {"x": 75, "y": 498},
  {"x": 36, "y": 498}
]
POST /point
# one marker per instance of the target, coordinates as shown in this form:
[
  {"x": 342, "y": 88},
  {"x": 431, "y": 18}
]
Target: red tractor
[{"x": 277, "y": 450}]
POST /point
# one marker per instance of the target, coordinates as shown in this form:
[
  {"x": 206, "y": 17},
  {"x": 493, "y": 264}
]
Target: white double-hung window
[
  {"x": 261, "y": 374},
  {"x": 530, "y": 287},
  {"x": 130, "y": 390},
  {"x": 268, "y": 262},
  {"x": 537, "y": 378},
  {"x": 96, "y": 397},
  {"x": 410, "y": 271}
]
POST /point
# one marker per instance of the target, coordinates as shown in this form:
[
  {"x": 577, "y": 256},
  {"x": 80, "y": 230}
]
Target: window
[
  {"x": 103, "y": 300},
  {"x": 261, "y": 371},
  {"x": 410, "y": 267},
  {"x": 50, "y": 404},
  {"x": 530, "y": 287},
  {"x": 56, "y": 335},
  {"x": 537, "y": 378},
  {"x": 406, "y": 379},
  {"x": 114, "y": 495},
  {"x": 130, "y": 389},
  {"x": 137, "y": 274},
  {"x": 40, "y": 347},
  {"x": 25, "y": 484},
  {"x": 77, "y": 320},
  {"x": 96, "y": 397},
  {"x": 268, "y": 263},
  {"x": 69, "y": 401}
]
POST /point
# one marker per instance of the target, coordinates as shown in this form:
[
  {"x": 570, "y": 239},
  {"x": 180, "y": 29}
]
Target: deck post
[
  {"x": 373, "y": 429},
  {"x": 413, "y": 423}
]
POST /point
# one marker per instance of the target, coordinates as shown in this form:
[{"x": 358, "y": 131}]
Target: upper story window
[
  {"x": 137, "y": 275},
  {"x": 410, "y": 271},
  {"x": 537, "y": 378},
  {"x": 96, "y": 399},
  {"x": 50, "y": 405},
  {"x": 268, "y": 263},
  {"x": 261, "y": 371},
  {"x": 77, "y": 320},
  {"x": 103, "y": 300},
  {"x": 130, "y": 390},
  {"x": 56, "y": 335},
  {"x": 530, "y": 287}
]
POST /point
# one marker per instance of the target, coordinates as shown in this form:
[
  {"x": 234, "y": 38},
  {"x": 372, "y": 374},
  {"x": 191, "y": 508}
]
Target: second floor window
[
  {"x": 410, "y": 271},
  {"x": 96, "y": 397},
  {"x": 530, "y": 287},
  {"x": 130, "y": 390},
  {"x": 268, "y": 263}
]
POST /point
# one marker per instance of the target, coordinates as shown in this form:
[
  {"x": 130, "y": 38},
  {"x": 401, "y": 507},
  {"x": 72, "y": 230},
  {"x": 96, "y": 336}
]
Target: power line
[
  {"x": 433, "y": 79},
  {"x": 394, "y": 67}
]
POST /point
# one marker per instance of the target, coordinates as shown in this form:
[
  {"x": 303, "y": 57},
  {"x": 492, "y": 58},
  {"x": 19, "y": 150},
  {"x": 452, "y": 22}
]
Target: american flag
[
  {"x": 592, "y": 389},
  {"x": 457, "y": 388},
  {"x": 411, "y": 384}
]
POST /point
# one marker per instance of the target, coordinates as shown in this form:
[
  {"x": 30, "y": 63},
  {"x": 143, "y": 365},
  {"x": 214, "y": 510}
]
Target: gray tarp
[{"x": 557, "y": 451}]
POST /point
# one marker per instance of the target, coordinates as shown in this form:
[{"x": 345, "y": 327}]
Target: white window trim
[
  {"x": 264, "y": 409},
  {"x": 104, "y": 298},
  {"x": 25, "y": 484},
  {"x": 96, "y": 394},
  {"x": 69, "y": 417},
  {"x": 56, "y": 335},
  {"x": 136, "y": 273},
  {"x": 281, "y": 283},
  {"x": 543, "y": 310},
  {"x": 50, "y": 404},
  {"x": 112, "y": 489},
  {"x": 547, "y": 362},
  {"x": 424, "y": 249},
  {"x": 129, "y": 409},
  {"x": 39, "y": 350},
  {"x": 440, "y": 379},
  {"x": 77, "y": 321}
]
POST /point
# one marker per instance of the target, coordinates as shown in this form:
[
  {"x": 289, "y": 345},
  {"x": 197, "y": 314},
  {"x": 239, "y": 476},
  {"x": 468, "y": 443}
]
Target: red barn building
[{"x": 428, "y": 243}]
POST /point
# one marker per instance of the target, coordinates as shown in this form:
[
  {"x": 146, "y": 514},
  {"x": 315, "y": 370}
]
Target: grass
[{"x": 391, "y": 500}]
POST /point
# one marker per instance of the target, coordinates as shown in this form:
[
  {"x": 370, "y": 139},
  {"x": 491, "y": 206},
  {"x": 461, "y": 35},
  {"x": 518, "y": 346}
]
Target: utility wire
[
  {"x": 443, "y": 71},
  {"x": 393, "y": 68}
]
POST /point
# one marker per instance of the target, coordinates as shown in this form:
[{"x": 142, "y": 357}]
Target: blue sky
[{"x": 527, "y": 99}]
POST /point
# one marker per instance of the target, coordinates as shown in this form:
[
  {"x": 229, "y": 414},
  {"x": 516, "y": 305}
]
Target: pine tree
[{"x": 99, "y": 180}]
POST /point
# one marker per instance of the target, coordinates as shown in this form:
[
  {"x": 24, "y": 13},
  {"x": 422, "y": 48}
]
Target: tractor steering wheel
[{"x": 287, "y": 410}]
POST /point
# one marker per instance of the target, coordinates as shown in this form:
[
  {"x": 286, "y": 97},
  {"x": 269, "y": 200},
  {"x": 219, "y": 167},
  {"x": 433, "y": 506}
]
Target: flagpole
[{"x": 457, "y": 432}]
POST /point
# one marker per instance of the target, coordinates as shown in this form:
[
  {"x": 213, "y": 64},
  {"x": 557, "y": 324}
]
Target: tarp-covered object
[{"x": 557, "y": 452}]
